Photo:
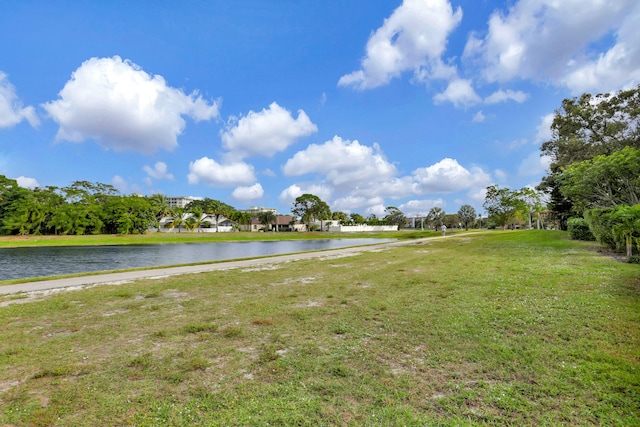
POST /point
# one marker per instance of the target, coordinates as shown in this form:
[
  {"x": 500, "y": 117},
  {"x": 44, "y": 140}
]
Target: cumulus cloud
[
  {"x": 500, "y": 175},
  {"x": 544, "y": 129},
  {"x": 420, "y": 207},
  {"x": 548, "y": 40},
  {"x": 11, "y": 110},
  {"x": 249, "y": 193},
  {"x": 459, "y": 92},
  {"x": 159, "y": 171},
  {"x": 210, "y": 172},
  {"x": 291, "y": 193},
  {"x": 266, "y": 132},
  {"x": 342, "y": 162},
  {"x": 508, "y": 95},
  {"x": 26, "y": 182},
  {"x": 479, "y": 117},
  {"x": 448, "y": 176},
  {"x": 122, "y": 107},
  {"x": 413, "y": 38},
  {"x": 120, "y": 183},
  {"x": 534, "y": 164},
  {"x": 355, "y": 203},
  {"x": 394, "y": 188}
]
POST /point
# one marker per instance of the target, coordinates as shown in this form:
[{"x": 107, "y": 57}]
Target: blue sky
[{"x": 367, "y": 104}]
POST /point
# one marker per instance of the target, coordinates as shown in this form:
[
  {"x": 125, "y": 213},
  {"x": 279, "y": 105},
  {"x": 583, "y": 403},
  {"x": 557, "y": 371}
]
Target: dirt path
[{"x": 128, "y": 276}]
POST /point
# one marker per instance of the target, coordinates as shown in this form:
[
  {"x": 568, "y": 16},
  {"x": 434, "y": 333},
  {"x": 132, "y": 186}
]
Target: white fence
[
  {"x": 221, "y": 229},
  {"x": 361, "y": 228}
]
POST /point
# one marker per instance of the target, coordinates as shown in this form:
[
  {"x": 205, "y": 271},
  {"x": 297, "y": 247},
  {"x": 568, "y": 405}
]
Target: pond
[{"x": 21, "y": 263}]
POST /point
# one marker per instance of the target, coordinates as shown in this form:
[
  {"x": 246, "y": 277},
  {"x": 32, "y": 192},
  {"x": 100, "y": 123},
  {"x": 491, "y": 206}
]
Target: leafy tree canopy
[
  {"x": 310, "y": 207},
  {"x": 466, "y": 214},
  {"x": 604, "y": 181}
]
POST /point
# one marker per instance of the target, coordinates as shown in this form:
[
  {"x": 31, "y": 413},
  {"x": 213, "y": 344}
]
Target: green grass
[{"x": 502, "y": 328}]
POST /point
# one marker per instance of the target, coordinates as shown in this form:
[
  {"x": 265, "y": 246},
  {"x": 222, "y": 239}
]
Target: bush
[
  {"x": 614, "y": 227},
  {"x": 634, "y": 259},
  {"x": 601, "y": 226},
  {"x": 579, "y": 229}
]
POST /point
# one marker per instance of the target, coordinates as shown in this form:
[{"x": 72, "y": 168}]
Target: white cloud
[
  {"x": 377, "y": 210},
  {"x": 459, "y": 92},
  {"x": 266, "y": 132},
  {"x": 420, "y": 207},
  {"x": 210, "y": 172},
  {"x": 544, "y": 129},
  {"x": 342, "y": 162},
  {"x": 26, "y": 182},
  {"x": 558, "y": 41},
  {"x": 479, "y": 117},
  {"x": 246, "y": 194},
  {"x": 394, "y": 188},
  {"x": 124, "y": 108},
  {"x": 159, "y": 171},
  {"x": 120, "y": 183},
  {"x": 478, "y": 196},
  {"x": 448, "y": 176},
  {"x": 413, "y": 38},
  {"x": 354, "y": 203},
  {"x": 11, "y": 110},
  {"x": 500, "y": 175},
  {"x": 508, "y": 95},
  {"x": 291, "y": 193},
  {"x": 534, "y": 164}
]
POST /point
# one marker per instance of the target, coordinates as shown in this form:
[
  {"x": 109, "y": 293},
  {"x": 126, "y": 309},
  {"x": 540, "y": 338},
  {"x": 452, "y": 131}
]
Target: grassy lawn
[{"x": 502, "y": 328}]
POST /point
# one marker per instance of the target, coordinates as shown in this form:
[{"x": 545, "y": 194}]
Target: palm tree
[
  {"x": 161, "y": 207},
  {"x": 436, "y": 216},
  {"x": 198, "y": 216},
  {"x": 178, "y": 217},
  {"x": 218, "y": 209}
]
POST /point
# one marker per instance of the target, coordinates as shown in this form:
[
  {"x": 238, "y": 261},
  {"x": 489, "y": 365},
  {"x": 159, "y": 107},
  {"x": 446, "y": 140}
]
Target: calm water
[{"x": 19, "y": 263}]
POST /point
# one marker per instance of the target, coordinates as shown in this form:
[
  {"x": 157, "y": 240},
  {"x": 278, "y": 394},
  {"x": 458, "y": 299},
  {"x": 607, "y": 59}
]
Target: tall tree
[
  {"x": 436, "y": 217},
  {"x": 583, "y": 128},
  {"x": 395, "y": 216},
  {"x": 467, "y": 214},
  {"x": 309, "y": 208},
  {"x": 504, "y": 205},
  {"x": 161, "y": 208},
  {"x": 532, "y": 202}
]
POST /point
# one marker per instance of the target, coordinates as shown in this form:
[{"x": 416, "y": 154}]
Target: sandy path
[{"x": 129, "y": 276}]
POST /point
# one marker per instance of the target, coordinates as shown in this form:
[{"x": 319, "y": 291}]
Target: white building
[{"x": 181, "y": 202}]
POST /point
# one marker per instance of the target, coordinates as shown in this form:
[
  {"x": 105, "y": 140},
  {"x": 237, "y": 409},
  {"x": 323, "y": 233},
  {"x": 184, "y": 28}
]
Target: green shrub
[
  {"x": 612, "y": 226},
  {"x": 579, "y": 229},
  {"x": 601, "y": 226}
]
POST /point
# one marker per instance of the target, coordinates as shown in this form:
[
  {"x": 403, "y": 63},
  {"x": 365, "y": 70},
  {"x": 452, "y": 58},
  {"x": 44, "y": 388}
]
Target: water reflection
[{"x": 19, "y": 263}]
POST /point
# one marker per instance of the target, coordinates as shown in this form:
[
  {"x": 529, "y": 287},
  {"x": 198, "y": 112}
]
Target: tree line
[{"x": 592, "y": 187}]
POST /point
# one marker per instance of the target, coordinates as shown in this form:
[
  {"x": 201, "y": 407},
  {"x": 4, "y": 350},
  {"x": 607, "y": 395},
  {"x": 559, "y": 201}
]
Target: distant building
[
  {"x": 255, "y": 210},
  {"x": 181, "y": 202},
  {"x": 283, "y": 223}
]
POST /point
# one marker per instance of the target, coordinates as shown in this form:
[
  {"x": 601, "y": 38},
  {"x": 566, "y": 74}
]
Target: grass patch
[{"x": 502, "y": 328}]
